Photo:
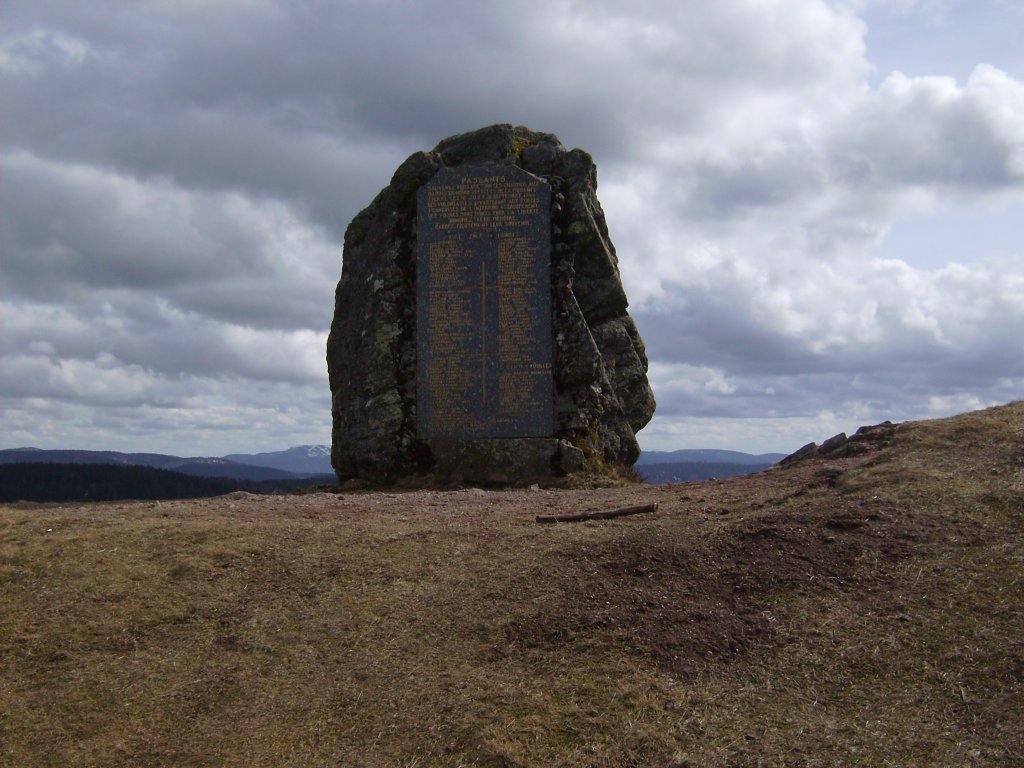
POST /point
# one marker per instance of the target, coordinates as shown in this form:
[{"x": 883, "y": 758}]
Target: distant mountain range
[
  {"x": 707, "y": 456},
  {"x": 687, "y": 465},
  {"x": 299, "y": 460},
  {"x": 314, "y": 461},
  {"x": 689, "y": 471}
]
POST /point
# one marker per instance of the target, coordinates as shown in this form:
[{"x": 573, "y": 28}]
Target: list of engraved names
[{"x": 484, "y": 305}]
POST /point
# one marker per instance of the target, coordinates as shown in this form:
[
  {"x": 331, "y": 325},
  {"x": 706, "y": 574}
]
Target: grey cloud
[
  {"x": 73, "y": 228},
  {"x": 159, "y": 341},
  {"x": 714, "y": 330},
  {"x": 396, "y": 74},
  {"x": 291, "y": 306},
  {"x": 96, "y": 228},
  {"x": 730, "y": 188}
]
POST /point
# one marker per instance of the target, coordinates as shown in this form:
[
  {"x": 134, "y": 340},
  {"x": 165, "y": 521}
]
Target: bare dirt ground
[{"x": 865, "y": 611}]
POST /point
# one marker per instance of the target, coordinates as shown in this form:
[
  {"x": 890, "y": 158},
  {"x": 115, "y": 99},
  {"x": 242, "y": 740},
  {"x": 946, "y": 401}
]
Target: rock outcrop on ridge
[
  {"x": 865, "y": 439},
  {"x": 602, "y": 396}
]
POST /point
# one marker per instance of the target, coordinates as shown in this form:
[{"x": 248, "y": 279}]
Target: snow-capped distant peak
[{"x": 312, "y": 451}]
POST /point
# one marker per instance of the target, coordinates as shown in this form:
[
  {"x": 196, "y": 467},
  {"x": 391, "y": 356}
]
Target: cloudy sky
[{"x": 818, "y": 204}]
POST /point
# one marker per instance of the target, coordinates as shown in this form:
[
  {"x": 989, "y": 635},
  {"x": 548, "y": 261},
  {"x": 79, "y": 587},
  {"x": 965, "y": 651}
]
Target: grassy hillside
[{"x": 866, "y": 611}]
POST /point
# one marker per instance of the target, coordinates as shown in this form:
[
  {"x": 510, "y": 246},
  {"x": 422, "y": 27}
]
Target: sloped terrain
[{"x": 857, "y": 611}]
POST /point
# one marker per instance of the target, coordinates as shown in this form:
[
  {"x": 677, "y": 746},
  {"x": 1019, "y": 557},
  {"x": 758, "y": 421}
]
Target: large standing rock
[{"x": 599, "y": 364}]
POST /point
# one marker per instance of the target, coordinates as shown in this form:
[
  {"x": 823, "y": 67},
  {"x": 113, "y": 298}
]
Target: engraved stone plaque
[{"x": 483, "y": 305}]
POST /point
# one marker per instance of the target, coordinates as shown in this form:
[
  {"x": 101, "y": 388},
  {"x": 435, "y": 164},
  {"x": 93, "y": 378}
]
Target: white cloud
[{"x": 930, "y": 133}]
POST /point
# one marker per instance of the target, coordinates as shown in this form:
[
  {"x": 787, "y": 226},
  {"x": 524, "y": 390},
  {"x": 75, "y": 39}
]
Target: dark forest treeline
[{"x": 108, "y": 482}]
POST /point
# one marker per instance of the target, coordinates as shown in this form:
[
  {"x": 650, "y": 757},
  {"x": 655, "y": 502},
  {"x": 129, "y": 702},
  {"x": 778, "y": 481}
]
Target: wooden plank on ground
[{"x": 623, "y": 512}]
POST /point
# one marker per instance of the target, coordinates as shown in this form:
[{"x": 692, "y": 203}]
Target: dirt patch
[{"x": 686, "y": 601}]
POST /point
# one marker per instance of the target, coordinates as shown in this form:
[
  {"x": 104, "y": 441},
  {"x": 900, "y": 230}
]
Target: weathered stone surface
[
  {"x": 834, "y": 443},
  {"x": 602, "y": 397},
  {"x": 804, "y": 452}
]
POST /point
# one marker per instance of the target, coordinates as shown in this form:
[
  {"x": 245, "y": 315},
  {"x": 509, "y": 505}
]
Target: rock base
[{"x": 520, "y": 461}]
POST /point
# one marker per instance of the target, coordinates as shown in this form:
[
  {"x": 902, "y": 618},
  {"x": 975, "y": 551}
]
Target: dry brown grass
[{"x": 866, "y": 611}]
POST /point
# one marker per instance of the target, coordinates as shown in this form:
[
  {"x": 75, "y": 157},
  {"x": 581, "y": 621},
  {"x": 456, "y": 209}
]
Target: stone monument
[{"x": 480, "y": 332}]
